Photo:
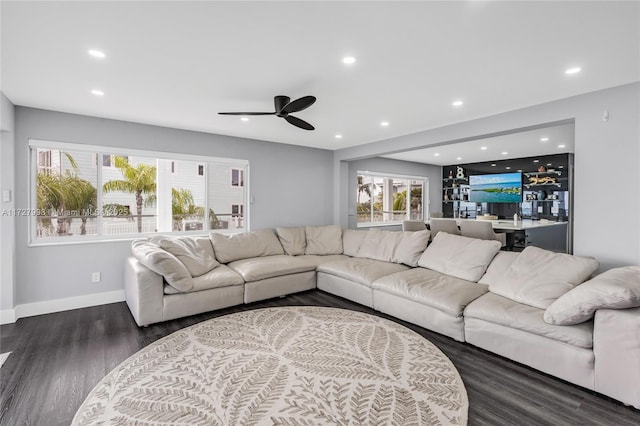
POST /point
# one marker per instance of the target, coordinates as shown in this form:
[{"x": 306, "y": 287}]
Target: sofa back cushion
[
  {"x": 411, "y": 247},
  {"x": 498, "y": 266},
  {"x": 461, "y": 257},
  {"x": 293, "y": 240},
  {"x": 229, "y": 248},
  {"x": 394, "y": 246},
  {"x": 617, "y": 288},
  {"x": 323, "y": 240},
  {"x": 189, "y": 252},
  {"x": 164, "y": 263},
  {"x": 352, "y": 240},
  {"x": 538, "y": 277}
]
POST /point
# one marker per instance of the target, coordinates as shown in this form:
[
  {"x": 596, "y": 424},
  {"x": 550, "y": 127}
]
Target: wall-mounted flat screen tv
[{"x": 496, "y": 188}]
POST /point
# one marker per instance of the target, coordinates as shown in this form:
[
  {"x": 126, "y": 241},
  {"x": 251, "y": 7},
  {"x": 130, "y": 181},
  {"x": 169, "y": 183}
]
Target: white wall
[
  {"x": 280, "y": 178},
  {"x": 7, "y": 222},
  {"x": 607, "y": 154}
]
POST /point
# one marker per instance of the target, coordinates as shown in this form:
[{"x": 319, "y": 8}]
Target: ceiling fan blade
[
  {"x": 247, "y": 113},
  {"x": 299, "y": 123},
  {"x": 299, "y": 104}
]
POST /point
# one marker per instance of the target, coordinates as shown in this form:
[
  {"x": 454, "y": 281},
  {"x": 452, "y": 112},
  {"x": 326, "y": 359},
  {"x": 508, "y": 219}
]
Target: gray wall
[
  {"x": 291, "y": 185},
  {"x": 7, "y": 222},
  {"x": 607, "y": 154},
  {"x": 387, "y": 165}
]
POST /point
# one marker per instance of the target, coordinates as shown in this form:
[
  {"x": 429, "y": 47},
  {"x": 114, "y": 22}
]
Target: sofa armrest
[
  {"x": 616, "y": 346},
  {"x": 144, "y": 292}
]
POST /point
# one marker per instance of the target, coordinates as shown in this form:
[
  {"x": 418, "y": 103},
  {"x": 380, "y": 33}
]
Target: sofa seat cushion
[
  {"x": 500, "y": 310},
  {"x": 321, "y": 260},
  {"x": 443, "y": 292},
  {"x": 260, "y": 268},
  {"x": 362, "y": 271},
  {"x": 222, "y": 276}
]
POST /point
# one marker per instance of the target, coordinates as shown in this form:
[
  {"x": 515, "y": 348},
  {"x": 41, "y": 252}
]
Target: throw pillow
[
  {"x": 538, "y": 277},
  {"x": 617, "y": 288},
  {"x": 461, "y": 257},
  {"x": 323, "y": 240},
  {"x": 186, "y": 250},
  {"x": 293, "y": 240},
  {"x": 164, "y": 263}
]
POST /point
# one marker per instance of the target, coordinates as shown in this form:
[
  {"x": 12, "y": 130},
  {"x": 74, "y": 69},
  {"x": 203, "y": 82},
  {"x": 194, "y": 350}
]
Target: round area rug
[{"x": 290, "y": 366}]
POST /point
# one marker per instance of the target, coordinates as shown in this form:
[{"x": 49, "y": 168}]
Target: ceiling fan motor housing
[{"x": 280, "y": 102}]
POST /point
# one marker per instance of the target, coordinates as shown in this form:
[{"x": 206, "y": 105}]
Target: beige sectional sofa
[{"x": 539, "y": 308}]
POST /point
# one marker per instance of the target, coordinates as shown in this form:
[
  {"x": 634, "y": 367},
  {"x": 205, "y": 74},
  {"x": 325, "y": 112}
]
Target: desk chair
[
  {"x": 483, "y": 230},
  {"x": 413, "y": 225},
  {"x": 443, "y": 225}
]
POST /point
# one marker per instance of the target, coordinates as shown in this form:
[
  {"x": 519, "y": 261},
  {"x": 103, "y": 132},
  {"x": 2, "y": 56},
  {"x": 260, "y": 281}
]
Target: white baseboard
[{"x": 59, "y": 305}]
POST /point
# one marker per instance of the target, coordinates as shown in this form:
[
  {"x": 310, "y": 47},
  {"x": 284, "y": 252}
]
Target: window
[
  {"x": 132, "y": 193},
  {"x": 237, "y": 177},
  {"x": 386, "y": 200}
]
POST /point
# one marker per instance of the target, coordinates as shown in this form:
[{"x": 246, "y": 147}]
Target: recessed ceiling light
[
  {"x": 484, "y": 148},
  {"x": 561, "y": 146},
  {"x": 96, "y": 53},
  {"x": 549, "y": 164},
  {"x": 244, "y": 118},
  {"x": 436, "y": 154},
  {"x": 561, "y": 167},
  {"x": 493, "y": 164},
  {"x": 545, "y": 139},
  {"x": 457, "y": 103},
  {"x": 338, "y": 136},
  {"x": 573, "y": 70},
  {"x": 97, "y": 92},
  {"x": 508, "y": 168},
  {"x": 384, "y": 123},
  {"x": 458, "y": 158},
  {"x": 536, "y": 161},
  {"x": 348, "y": 60},
  {"x": 519, "y": 170},
  {"x": 504, "y": 153}
]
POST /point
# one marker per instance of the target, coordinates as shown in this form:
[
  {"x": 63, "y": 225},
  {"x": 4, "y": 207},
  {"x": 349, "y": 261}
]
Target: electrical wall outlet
[{"x": 95, "y": 277}]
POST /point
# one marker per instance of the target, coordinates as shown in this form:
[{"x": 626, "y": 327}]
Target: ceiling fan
[{"x": 284, "y": 106}]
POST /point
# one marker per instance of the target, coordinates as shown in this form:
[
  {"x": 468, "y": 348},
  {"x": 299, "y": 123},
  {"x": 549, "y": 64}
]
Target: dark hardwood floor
[{"x": 58, "y": 358}]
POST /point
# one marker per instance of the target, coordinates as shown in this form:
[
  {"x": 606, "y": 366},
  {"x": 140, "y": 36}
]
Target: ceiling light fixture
[
  {"x": 508, "y": 168},
  {"x": 458, "y": 158},
  {"x": 574, "y": 70},
  {"x": 97, "y": 92},
  {"x": 338, "y": 136},
  {"x": 349, "y": 60},
  {"x": 457, "y": 103},
  {"x": 549, "y": 164},
  {"x": 96, "y": 53},
  {"x": 484, "y": 148},
  {"x": 436, "y": 154},
  {"x": 519, "y": 170},
  {"x": 544, "y": 139},
  {"x": 561, "y": 146},
  {"x": 244, "y": 118},
  {"x": 536, "y": 161},
  {"x": 384, "y": 123},
  {"x": 493, "y": 164},
  {"x": 561, "y": 167},
  {"x": 504, "y": 153}
]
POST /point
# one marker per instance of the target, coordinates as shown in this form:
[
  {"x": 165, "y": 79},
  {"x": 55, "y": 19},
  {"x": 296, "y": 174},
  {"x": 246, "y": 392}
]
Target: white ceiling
[
  {"x": 179, "y": 63},
  {"x": 548, "y": 141}
]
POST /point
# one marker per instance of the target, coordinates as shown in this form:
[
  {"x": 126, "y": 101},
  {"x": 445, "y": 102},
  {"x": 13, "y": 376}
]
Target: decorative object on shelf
[
  {"x": 542, "y": 180},
  {"x": 542, "y": 169},
  {"x": 531, "y": 197},
  {"x": 459, "y": 172},
  {"x": 446, "y": 196},
  {"x": 450, "y": 174},
  {"x": 542, "y": 195}
]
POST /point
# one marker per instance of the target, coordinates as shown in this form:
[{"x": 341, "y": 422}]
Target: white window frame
[
  {"x": 425, "y": 197},
  {"x": 34, "y": 144}
]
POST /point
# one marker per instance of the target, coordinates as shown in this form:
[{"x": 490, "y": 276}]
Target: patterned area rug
[{"x": 289, "y": 366}]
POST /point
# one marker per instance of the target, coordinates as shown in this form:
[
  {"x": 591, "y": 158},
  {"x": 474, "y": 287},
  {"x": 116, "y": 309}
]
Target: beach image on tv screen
[{"x": 496, "y": 188}]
